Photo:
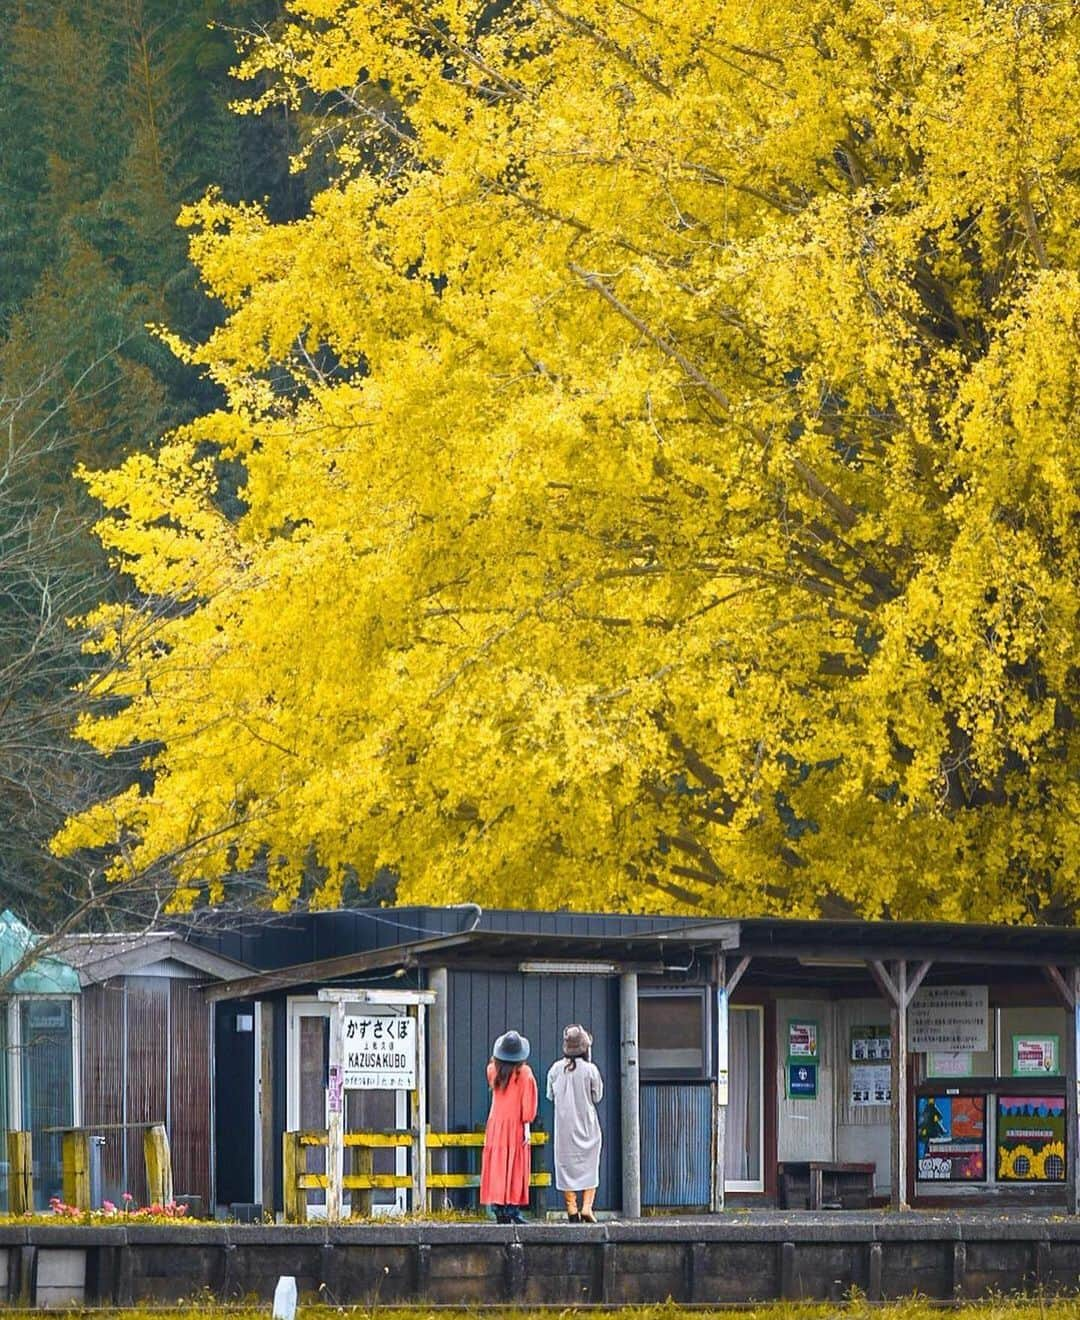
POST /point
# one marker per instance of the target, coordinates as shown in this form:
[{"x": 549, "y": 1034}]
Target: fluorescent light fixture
[
  {"x": 553, "y": 967},
  {"x": 810, "y": 961}
]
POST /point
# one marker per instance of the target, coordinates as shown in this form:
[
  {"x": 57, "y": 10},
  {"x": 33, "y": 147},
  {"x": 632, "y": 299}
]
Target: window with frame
[{"x": 673, "y": 1034}]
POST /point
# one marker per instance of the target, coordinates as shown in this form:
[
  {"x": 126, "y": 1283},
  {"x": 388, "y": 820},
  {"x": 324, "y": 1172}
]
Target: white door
[
  {"x": 306, "y": 1103},
  {"x": 744, "y": 1166}
]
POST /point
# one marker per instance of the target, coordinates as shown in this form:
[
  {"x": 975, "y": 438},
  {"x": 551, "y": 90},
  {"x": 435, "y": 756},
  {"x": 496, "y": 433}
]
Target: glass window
[
  {"x": 671, "y": 1034},
  {"x": 47, "y": 1071}
]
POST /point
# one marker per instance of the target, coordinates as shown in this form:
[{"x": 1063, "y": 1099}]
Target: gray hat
[
  {"x": 511, "y": 1048},
  {"x": 576, "y": 1042}
]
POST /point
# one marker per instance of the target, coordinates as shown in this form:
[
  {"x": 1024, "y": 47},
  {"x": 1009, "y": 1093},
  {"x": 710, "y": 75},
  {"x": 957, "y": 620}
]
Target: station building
[{"x": 761, "y": 1062}]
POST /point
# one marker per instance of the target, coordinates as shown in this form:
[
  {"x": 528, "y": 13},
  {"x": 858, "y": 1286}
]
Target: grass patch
[{"x": 852, "y": 1309}]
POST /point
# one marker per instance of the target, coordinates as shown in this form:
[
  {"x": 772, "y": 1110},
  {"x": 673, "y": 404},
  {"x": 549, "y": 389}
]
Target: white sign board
[
  {"x": 871, "y": 1084},
  {"x": 949, "y": 1018},
  {"x": 380, "y": 1053}
]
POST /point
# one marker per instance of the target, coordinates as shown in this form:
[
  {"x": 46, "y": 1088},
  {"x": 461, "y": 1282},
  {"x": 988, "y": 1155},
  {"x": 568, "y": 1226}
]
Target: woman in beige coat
[{"x": 575, "y": 1086}]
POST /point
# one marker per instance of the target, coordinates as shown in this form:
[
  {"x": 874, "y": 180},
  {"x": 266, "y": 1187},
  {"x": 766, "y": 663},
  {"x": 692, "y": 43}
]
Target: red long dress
[{"x": 506, "y": 1163}]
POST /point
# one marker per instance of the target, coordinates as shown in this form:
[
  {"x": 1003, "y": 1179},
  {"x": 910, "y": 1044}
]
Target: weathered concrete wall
[{"x": 736, "y": 1259}]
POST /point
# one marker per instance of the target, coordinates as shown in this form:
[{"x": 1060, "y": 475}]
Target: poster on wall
[
  {"x": 870, "y": 1044},
  {"x": 1035, "y": 1056},
  {"x": 949, "y": 1063},
  {"x": 871, "y": 1084},
  {"x": 950, "y": 1018},
  {"x": 802, "y": 1039},
  {"x": 1031, "y": 1138},
  {"x": 950, "y": 1138},
  {"x": 802, "y": 1081}
]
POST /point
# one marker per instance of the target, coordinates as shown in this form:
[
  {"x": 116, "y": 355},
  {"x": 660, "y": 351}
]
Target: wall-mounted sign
[
  {"x": 1035, "y": 1056},
  {"x": 802, "y": 1081},
  {"x": 870, "y": 1044},
  {"x": 334, "y": 1090},
  {"x": 380, "y": 1053},
  {"x": 950, "y": 1138},
  {"x": 721, "y": 1047},
  {"x": 802, "y": 1039},
  {"x": 871, "y": 1084},
  {"x": 1031, "y": 1138},
  {"x": 949, "y": 1018},
  {"x": 946, "y": 1063}
]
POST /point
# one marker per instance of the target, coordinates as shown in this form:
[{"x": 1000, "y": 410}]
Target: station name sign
[
  {"x": 380, "y": 1053},
  {"x": 949, "y": 1018}
]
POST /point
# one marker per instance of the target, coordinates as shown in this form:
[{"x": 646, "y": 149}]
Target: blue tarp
[{"x": 45, "y": 975}]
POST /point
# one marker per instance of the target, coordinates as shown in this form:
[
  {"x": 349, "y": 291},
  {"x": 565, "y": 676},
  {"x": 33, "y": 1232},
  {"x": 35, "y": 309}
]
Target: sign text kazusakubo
[{"x": 380, "y": 1053}]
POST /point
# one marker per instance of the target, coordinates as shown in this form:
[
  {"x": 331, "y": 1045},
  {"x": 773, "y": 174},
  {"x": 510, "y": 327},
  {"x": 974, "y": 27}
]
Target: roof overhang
[
  {"x": 826, "y": 944},
  {"x": 99, "y": 958},
  {"x": 653, "y": 950}
]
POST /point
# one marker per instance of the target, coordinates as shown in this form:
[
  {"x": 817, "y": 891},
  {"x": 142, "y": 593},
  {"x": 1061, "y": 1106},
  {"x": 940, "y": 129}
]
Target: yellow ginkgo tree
[{"x": 661, "y": 485}]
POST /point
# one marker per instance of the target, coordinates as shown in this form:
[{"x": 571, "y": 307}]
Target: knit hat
[
  {"x": 576, "y": 1042},
  {"x": 511, "y": 1048}
]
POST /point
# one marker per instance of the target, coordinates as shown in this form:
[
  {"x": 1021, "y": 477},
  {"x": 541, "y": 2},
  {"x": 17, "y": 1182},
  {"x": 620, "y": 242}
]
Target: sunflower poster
[{"x": 1031, "y": 1138}]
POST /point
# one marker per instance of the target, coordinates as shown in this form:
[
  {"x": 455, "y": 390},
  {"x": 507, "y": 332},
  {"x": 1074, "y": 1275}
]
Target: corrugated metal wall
[
  {"x": 189, "y": 1089},
  {"x": 676, "y": 1143},
  {"x": 482, "y": 1005},
  {"x": 146, "y": 1058}
]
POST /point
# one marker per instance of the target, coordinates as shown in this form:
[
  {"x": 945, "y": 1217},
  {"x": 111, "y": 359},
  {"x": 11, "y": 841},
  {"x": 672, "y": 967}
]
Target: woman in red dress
[{"x": 507, "y": 1158}]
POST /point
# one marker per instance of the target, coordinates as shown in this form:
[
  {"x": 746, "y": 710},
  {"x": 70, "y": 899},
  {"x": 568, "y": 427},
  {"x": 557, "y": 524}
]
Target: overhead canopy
[
  {"x": 43, "y": 976},
  {"x": 811, "y": 947}
]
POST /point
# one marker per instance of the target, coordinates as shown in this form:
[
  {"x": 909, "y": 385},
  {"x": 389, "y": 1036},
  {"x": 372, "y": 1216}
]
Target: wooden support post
[
  {"x": 1072, "y": 1097},
  {"x": 898, "y": 985},
  {"x": 75, "y": 1164},
  {"x": 265, "y": 1112},
  {"x": 293, "y": 1164},
  {"x": 720, "y": 1088},
  {"x": 158, "y": 1156},
  {"x": 629, "y": 1076},
  {"x": 899, "y": 1031},
  {"x": 418, "y": 1113},
  {"x": 439, "y": 1074},
  {"x": 335, "y": 1115},
  {"x": 363, "y": 1164},
  {"x": 1067, "y": 984},
  {"x": 20, "y": 1172}
]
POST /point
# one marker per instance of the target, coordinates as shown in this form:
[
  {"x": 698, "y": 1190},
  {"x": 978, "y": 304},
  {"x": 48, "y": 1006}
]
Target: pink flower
[
  {"x": 108, "y": 1207},
  {"x": 128, "y": 1197}
]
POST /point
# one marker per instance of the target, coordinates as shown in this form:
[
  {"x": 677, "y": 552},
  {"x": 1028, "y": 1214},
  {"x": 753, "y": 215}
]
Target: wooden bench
[{"x": 825, "y": 1185}]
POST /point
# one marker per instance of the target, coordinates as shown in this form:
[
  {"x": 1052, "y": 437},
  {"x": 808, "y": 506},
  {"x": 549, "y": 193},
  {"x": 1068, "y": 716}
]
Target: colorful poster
[
  {"x": 871, "y": 1084},
  {"x": 802, "y": 1040},
  {"x": 802, "y": 1081},
  {"x": 1031, "y": 1138},
  {"x": 1035, "y": 1056},
  {"x": 949, "y": 1017},
  {"x": 870, "y": 1044},
  {"x": 950, "y": 1138}
]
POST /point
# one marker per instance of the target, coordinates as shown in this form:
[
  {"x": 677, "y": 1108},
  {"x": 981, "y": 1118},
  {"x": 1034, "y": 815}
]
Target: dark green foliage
[{"x": 111, "y": 118}]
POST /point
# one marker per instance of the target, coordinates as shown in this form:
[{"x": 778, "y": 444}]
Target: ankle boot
[{"x": 573, "y": 1218}]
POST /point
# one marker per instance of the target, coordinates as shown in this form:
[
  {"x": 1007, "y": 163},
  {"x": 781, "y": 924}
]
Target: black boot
[
  {"x": 501, "y": 1214},
  {"x": 514, "y": 1215},
  {"x": 573, "y": 1219}
]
